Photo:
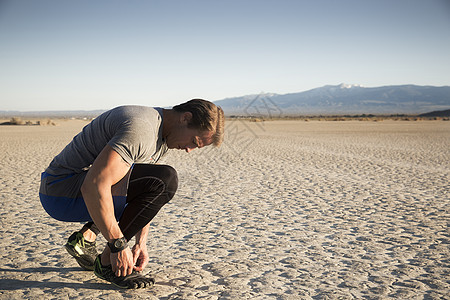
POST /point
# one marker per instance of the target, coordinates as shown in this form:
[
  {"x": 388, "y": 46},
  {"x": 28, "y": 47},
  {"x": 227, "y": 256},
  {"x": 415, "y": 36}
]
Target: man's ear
[{"x": 186, "y": 118}]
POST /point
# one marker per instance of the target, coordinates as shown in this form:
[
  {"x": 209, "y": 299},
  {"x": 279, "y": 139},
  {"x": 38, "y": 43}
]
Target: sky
[{"x": 87, "y": 55}]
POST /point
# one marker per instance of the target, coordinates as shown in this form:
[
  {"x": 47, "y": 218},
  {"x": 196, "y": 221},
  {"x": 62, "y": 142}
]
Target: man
[{"x": 107, "y": 176}]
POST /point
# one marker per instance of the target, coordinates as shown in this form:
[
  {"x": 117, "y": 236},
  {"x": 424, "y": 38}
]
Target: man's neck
[{"x": 168, "y": 121}]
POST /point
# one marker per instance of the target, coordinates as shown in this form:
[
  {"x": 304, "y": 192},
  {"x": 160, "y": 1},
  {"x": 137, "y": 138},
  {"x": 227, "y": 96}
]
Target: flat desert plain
[{"x": 283, "y": 210}]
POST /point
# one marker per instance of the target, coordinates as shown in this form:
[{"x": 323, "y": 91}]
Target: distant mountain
[
  {"x": 327, "y": 100},
  {"x": 342, "y": 99},
  {"x": 439, "y": 113}
]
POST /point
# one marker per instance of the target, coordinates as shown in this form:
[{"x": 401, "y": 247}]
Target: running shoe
[
  {"x": 133, "y": 281},
  {"x": 83, "y": 251}
]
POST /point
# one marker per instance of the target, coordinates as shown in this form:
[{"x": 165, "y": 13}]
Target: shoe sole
[
  {"x": 86, "y": 265},
  {"x": 117, "y": 284},
  {"x": 123, "y": 286},
  {"x": 113, "y": 283}
]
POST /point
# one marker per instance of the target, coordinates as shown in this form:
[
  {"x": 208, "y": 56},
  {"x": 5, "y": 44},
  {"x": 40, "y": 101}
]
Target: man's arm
[
  {"x": 140, "y": 253},
  {"x": 141, "y": 236},
  {"x": 107, "y": 169}
]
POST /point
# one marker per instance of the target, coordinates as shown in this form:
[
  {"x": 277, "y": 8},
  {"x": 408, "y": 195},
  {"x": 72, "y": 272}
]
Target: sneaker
[
  {"x": 83, "y": 251},
  {"x": 133, "y": 281}
]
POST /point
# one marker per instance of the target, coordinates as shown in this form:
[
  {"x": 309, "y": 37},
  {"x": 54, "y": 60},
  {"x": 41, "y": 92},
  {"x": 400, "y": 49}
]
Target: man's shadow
[{"x": 7, "y": 284}]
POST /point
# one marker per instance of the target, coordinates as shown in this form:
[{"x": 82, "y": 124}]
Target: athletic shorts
[{"x": 62, "y": 199}]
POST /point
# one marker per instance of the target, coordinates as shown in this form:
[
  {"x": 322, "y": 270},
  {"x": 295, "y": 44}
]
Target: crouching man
[{"x": 107, "y": 176}]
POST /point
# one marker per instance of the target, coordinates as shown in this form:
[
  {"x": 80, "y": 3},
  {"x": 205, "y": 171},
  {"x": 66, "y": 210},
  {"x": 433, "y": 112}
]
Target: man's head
[{"x": 198, "y": 123}]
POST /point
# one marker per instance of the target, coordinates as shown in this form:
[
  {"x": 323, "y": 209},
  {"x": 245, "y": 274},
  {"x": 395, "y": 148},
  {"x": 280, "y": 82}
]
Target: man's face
[{"x": 188, "y": 139}]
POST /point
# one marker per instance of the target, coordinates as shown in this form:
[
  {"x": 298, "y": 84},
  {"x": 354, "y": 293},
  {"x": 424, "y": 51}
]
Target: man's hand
[
  {"x": 122, "y": 262},
  {"x": 140, "y": 256}
]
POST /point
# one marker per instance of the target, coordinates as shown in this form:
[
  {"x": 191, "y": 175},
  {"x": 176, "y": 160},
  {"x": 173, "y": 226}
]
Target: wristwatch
[{"x": 118, "y": 245}]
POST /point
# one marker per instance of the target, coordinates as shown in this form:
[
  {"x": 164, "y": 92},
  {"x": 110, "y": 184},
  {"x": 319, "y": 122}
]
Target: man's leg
[
  {"x": 90, "y": 231},
  {"x": 150, "y": 187},
  {"x": 61, "y": 198}
]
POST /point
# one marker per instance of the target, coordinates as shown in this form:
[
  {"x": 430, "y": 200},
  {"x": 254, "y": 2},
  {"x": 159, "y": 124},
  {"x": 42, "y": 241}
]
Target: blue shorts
[{"x": 62, "y": 199}]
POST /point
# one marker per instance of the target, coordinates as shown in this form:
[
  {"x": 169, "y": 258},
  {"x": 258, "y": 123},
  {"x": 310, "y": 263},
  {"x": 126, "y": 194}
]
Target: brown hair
[{"x": 206, "y": 116}]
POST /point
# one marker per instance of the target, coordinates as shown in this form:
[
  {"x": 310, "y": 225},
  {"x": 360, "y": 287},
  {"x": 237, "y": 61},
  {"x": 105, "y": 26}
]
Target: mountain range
[
  {"x": 342, "y": 99},
  {"x": 327, "y": 100}
]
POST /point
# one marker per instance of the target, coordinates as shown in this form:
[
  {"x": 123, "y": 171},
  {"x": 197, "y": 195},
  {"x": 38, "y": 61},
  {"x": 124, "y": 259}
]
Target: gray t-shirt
[{"x": 135, "y": 132}]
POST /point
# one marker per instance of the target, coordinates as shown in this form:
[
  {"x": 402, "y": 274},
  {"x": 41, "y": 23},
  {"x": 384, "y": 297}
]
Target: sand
[{"x": 284, "y": 210}]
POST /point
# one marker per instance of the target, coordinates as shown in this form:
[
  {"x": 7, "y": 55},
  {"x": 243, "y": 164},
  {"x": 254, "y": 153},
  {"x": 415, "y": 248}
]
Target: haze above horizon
[{"x": 83, "y": 55}]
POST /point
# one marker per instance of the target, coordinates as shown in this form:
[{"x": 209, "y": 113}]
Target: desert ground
[{"x": 283, "y": 210}]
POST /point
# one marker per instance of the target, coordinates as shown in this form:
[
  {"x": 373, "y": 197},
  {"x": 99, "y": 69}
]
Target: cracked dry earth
[{"x": 283, "y": 210}]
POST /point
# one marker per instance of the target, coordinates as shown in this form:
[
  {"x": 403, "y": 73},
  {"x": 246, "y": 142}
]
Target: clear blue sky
[{"x": 66, "y": 55}]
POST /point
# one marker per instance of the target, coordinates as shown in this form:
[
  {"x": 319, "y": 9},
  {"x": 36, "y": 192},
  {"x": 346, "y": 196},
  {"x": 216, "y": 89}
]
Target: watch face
[{"x": 119, "y": 243}]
